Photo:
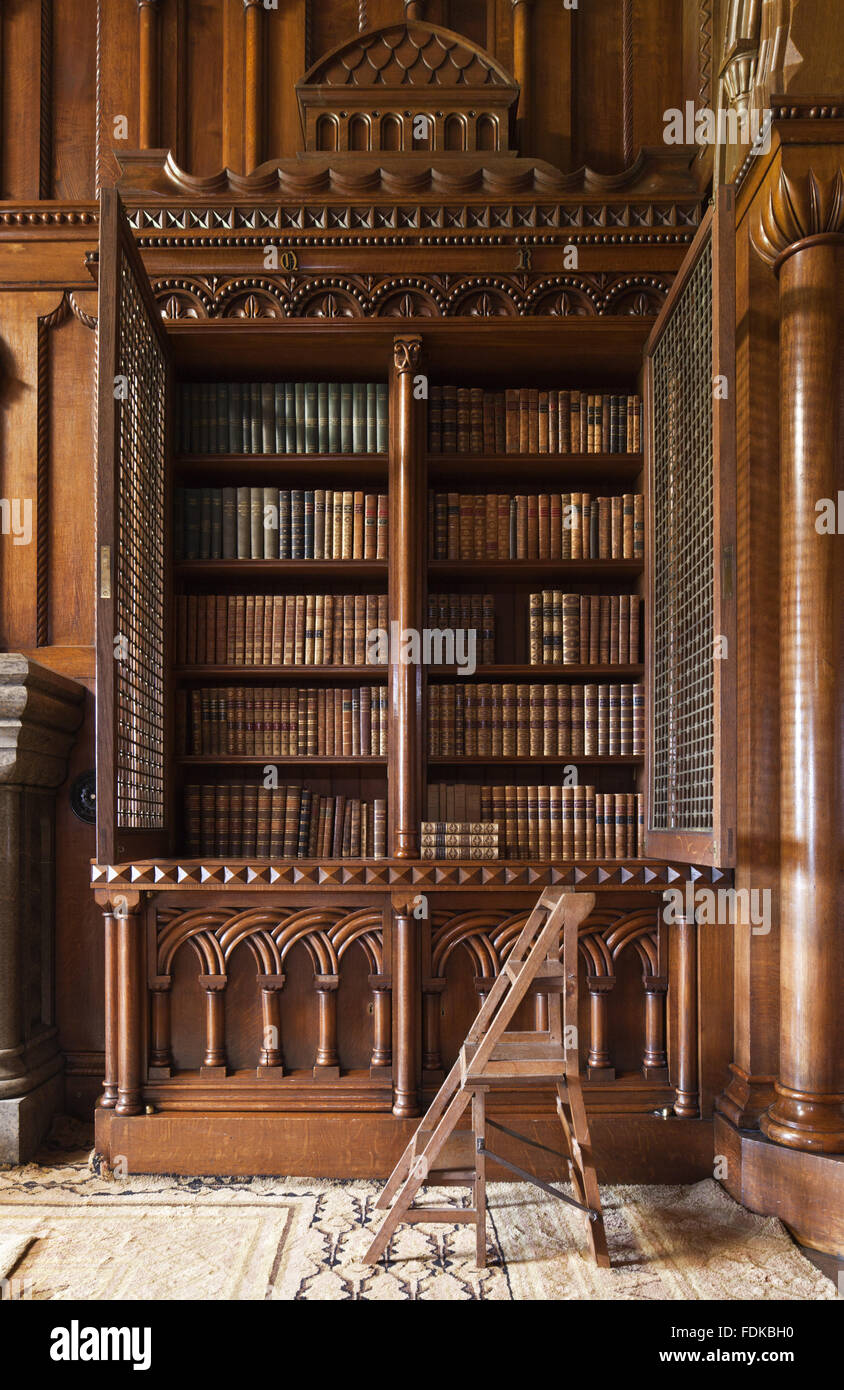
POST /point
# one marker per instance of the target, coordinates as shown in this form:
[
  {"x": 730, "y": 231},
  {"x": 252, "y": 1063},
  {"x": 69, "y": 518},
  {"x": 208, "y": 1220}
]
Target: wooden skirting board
[{"x": 628, "y": 1148}]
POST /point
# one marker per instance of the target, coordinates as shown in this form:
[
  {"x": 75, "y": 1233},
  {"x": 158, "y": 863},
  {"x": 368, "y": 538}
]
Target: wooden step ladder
[{"x": 491, "y": 1057}]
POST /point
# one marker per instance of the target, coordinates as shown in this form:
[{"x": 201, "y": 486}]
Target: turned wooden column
[
  {"x": 802, "y": 233},
  {"x": 433, "y": 990},
  {"x": 599, "y": 1064},
  {"x": 684, "y": 1009},
  {"x": 654, "y": 1060},
  {"x": 214, "y": 1059},
  {"x": 523, "y": 68},
  {"x": 148, "y": 80},
  {"x": 271, "y": 1058},
  {"x": 131, "y": 990},
  {"x": 407, "y": 505},
  {"x": 406, "y": 1014},
  {"x": 381, "y": 1055},
  {"x": 108, "y": 1099},
  {"x": 253, "y": 85},
  {"x": 160, "y": 1058},
  {"x": 327, "y": 1063}
]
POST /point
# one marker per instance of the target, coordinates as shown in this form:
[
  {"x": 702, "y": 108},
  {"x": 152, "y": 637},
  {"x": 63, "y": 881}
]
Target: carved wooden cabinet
[{"x": 274, "y": 1014}]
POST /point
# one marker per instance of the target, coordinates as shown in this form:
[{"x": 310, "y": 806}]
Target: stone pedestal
[{"x": 39, "y": 715}]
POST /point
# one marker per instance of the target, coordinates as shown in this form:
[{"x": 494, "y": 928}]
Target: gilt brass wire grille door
[
  {"x": 690, "y": 620},
  {"x": 133, "y": 390}
]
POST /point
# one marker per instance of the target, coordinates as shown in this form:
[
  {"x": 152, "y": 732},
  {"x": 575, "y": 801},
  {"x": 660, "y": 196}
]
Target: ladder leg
[
  {"x": 584, "y": 1179},
  {"x": 479, "y": 1132},
  {"x": 420, "y": 1166}
]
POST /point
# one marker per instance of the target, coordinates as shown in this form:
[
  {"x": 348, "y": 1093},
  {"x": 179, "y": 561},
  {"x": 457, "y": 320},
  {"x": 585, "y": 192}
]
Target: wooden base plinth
[
  {"x": 805, "y": 1190},
  {"x": 628, "y": 1148}
]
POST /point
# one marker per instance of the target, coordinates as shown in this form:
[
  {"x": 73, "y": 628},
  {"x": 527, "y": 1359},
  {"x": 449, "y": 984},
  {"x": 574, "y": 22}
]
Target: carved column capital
[
  {"x": 407, "y": 354},
  {"x": 797, "y": 211},
  {"x": 39, "y": 715}
]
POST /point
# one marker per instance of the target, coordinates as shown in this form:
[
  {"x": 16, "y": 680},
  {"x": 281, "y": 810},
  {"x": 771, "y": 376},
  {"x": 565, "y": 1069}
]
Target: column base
[
  {"x": 800, "y": 1120},
  {"x": 25, "y": 1120}
]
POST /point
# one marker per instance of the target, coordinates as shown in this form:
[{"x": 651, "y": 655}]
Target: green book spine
[
  {"x": 358, "y": 418},
  {"x": 216, "y": 523},
  {"x": 255, "y": 416},
  {"x": 267, "y": 418},
  {"x": 299, "y": 415},
  {"x": 322, "y": 417},
  {"x": 222, "y": 443},
  {"x": 371, "y": 418},
  {"x": 205, "y": 524},
  {"x": 279, "y": 410},
  {"x": 229, "y": 523},
  {"x": 311, "y": 418},
  {"x": 346, "y": 397},
  {"x": 289, "y": 418},
  {"x": 246, "y": 417},
  {"x": 235, "y": 426},
  {"x": 381, "y": 411},
  {"x": 334, "y": 417}
]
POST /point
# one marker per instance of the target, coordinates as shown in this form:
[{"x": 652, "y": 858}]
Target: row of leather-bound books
[
  {"x": 470, "y": 719},
  {"x": 459, "y": 840},
  {"x": 283, "y": 721},
  {"x": 278, "y": 417},
  {"x": 466, "y": 612},
  {"x": 277, "y": 629},
  {"x": 587, "y": 629},
  {"x": 272, "y": 523},
  {"x": 548, "y": 822},
  {"x": 535, "y": 526},
  {"x": 526, "y": 420},
  {"x": 242, "y": 819}
]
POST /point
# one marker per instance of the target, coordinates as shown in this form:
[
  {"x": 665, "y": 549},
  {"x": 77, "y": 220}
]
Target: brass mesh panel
[
  {"x": 682, "y": 751},
  {"x": 139, "y": 566}
]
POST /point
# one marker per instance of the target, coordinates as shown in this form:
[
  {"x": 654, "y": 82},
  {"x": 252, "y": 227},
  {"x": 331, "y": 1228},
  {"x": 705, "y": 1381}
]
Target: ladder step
[
  {"x": 523, "y": 1050},
  {"x": 453, "y": 1216}
]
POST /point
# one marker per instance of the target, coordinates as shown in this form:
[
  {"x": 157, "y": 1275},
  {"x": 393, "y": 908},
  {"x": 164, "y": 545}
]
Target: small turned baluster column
[
  {"x": 683, "y": 952},
  {"x": 654, "y": 1060},
  {"x": 483, "y": 984},
  {"x": 130, "y": 988},
  {"x": 327, "y": 1064},
  {"x": 160, "y": 1058},
  {"x": 382, "y": 1055},
  {"x": 802, "y": 236},
  {"x": 599, "y": 1065},
  {"x": 523, "y": 68},
  {"x": 148, "y": 70},
  {"x": 253, "y": 85},
  {"x": 108, "y": 1099},
  {"x": 270, "y": 1058},
  {"x": 406, "y": 1020},
  {"x": 406, "y": 564},
  {"x": 432, "y": 991},
  {"x": 214, "y": 1061},
  {"x": 540, "y": 1011}
]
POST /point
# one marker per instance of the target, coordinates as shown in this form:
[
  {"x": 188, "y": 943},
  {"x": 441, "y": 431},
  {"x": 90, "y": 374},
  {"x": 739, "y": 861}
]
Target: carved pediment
[{"x": 369, "y": 94}]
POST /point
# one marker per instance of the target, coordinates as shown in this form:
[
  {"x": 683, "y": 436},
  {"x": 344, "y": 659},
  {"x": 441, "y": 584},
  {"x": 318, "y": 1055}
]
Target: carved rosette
[{"x": 797, "y": 210}]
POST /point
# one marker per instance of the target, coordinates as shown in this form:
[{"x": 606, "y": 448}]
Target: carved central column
[
  {"x": 406, "y": 561},
  {"x": 802, "y": 234}
]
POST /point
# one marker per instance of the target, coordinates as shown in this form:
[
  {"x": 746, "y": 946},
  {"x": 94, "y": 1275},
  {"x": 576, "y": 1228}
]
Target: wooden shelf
[
  {"x": 283, "y": 569},
  {"x": 292, "y": 673},
  {"x": 542, "y": 570},
  {"x": 355, "y": 465},
  {"x": 281, "y": 760},
  {"x": 522, "y": 672},
  {"x": 562, "y": 467},
  {"x": 539, "y": 759}
]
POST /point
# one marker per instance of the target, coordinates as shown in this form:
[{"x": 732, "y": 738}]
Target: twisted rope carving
[{"x": 627, "y": 79}]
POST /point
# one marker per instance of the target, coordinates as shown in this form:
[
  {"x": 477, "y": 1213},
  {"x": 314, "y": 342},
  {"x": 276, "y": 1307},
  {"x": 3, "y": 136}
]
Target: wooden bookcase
[{"x": 272, "y": 1014}]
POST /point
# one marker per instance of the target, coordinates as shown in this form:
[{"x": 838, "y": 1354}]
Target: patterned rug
[{"x": 67, "y": 1233}]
